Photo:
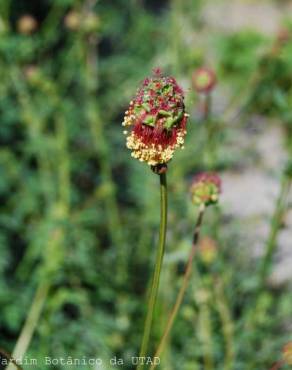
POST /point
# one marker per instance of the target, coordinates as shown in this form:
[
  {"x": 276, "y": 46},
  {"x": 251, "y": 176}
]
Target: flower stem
[
  {"x": 158, "y": 265},
  {"x": 271, "y": 245},
  {"x": 31, "y": 322},
  {"x": 255, "y": 311},
  {"x": 207, "y": 103},
  {"x": 8, "y": 356},
  {"x": 183, "y": 288},
  {"x": 227, "y": 323},
  {"x": 207, "y": 119}
]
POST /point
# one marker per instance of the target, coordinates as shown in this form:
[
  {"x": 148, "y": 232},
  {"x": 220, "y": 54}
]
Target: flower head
[
  {"x": 205, "y": 189},
  {"x": 156, "y": 120},
  {"x": 204, "y": 80},
  {"x": 72, "y": 20},
  {"x": 27, "y": 24},
  {"x": 88, "y": 22}
]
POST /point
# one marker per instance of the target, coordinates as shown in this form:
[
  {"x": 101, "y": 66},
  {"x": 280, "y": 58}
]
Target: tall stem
[
  {"x": 207, "y": 103},
  {"x": 30, "y": 325},
  {"x": 274, "y": 230},
  {"x": 255, "y": 311},
  {"x": 157, "y": 270},
  {"x": 227, "y": 324},
  {"x": 209, "y": 127},
  {"x": 9, "y": 357},
  {"x": 183, "y": 288}
]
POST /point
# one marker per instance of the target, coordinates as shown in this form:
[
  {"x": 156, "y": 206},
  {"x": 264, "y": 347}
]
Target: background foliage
[{"x": 79, "y": 218}]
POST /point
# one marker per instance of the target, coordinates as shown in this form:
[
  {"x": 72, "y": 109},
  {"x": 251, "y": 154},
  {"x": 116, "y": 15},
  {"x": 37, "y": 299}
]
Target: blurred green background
[{"x": 79, "y": 218}]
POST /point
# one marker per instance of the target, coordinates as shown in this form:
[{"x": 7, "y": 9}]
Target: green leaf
[
  {"x": 164, "y": 113},
  {"x": 169, "y": 122},
  {"x": 146, "y": 106},
  {"x": 149, "y": 120},
  {"x": 167, "y": 89}
]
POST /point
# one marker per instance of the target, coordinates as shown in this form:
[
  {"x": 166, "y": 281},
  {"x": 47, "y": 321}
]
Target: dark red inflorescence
[{"x": 157, "y": 120}]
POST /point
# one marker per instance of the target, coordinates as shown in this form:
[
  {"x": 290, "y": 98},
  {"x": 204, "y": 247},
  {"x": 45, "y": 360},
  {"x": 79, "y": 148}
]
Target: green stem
[
  {"x": 207, "y": 119},
  {"x": 227, "y": 324},
  {"x": 206, "y": 335},
  {"x": 96, "y": 126},
  {"x": 274, "y": 229},
  {"x": 207, "y": 103},
  {"x": 55, "y": 241},
  {"x": 183, "y": 288},
  {"x": 31, "y": 322},
  {"x": 243, "y": 93},
  {"x": 8, "y": 356},
  {"x": 281, "y": 205},
  {"x": 157, "y": 270}
]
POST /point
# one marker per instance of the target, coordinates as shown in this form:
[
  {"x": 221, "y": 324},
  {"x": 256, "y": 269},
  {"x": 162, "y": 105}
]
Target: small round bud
[
  {"x": 26, "y": 24},
  {"x": 32, "y": 73},
  {"x": 205, "y": 189},
  {"x": 204, "y": 80},
  {"x": 287, "y": 353},
  {"x": 72, "y": 20}
]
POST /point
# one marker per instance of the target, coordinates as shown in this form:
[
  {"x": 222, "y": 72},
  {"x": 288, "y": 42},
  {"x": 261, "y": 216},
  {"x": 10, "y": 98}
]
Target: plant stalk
[
  {"x": 274, "y": 229},
  {"x": 7, "y": 355},
  {"x": 31, "y": 323},
  {"x": 209, "y": 127},
  {"x": 271, "y": 245},
  {"x": 183, "y": 288},
  {"x": 157, "y": 270},
  {"x": 227, "y": 324}
]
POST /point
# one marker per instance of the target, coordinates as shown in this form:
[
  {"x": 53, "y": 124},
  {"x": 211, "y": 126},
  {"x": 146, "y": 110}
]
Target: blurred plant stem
[
  {"x": 246, "y": 93},
  {"x": 8, "y": 356},
  {"x": 166, "y": 298},
  {"x": 232, "y": 112},
  {"x": 205, "y": 334},
  {"x": 57, "y": 198},
  {"x": 48, "y": 269},
  {"x": 95, "y": 121},
  {"x": 183, "y": 288},
  {"x": 227, "y": 324},
  {"x": 210, "y": 131},
  {"x": 5, "y": 7},
  {"x": 157, "y": 269},
  {"x": 256, "y": 311},
  {"x": 175, "y": 33},
  {"x": 280, "y": 208},
  {"x": 34, "y": 126},
  {"x": 31, "y": 322}
]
